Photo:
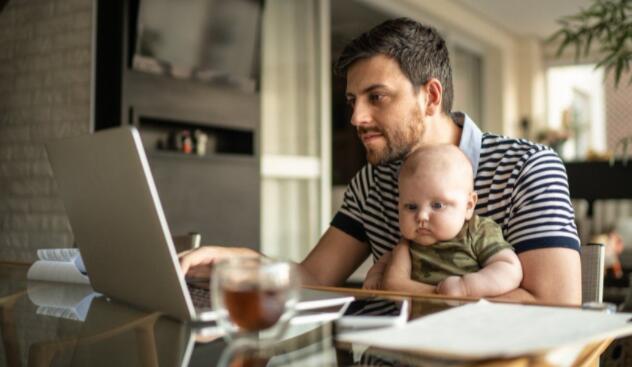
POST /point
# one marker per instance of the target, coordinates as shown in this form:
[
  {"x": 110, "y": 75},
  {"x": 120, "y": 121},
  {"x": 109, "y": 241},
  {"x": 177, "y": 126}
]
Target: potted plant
[{"x": 607, "y": 24}]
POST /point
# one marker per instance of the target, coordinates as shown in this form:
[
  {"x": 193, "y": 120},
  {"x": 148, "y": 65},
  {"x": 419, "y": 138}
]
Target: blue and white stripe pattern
[{"x": 521, "y": 185}]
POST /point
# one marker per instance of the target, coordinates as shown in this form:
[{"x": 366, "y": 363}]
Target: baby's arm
[
  {"x": 397, "y": 273},
  {"x": 501, "y": 273}
]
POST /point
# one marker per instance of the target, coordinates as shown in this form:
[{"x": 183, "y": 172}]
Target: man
[{"x": 399, "y": 87}]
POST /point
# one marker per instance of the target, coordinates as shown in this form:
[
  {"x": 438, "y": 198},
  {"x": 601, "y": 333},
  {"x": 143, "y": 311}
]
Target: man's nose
[{"x": 360, "y": 115}]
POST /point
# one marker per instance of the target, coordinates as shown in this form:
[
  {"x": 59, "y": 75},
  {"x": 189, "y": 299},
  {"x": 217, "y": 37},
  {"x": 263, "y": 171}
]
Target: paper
[
  {"x": 58, "y": 265},
  {"x": 69, "y": 301},
  {"x": 490, "y": 330}
]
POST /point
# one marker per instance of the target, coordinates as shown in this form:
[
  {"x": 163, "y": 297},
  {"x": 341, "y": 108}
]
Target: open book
[
  {"x": 486, "y": 330},
  {"x": 68, "y": 301},
  {"x": 59, "y": 265}
]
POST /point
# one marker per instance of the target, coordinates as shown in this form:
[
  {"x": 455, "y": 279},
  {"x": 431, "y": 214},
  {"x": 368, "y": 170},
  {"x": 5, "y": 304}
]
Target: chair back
[{"x": 592, "y": 258}]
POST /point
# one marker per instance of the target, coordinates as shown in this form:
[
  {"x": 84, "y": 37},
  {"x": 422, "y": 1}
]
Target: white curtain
[{"x": 293, "y": 112}]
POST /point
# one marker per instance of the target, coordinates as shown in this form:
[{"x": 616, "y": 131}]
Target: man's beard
[{"x": 399, "y": 141}]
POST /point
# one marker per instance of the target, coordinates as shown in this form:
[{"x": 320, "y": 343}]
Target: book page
[
  {"x": 55, "y": 271},
  {"x": 64, "y": 255},
  {"x": 70, "y": 301},
  {"x": 58, "y": 254},
  {"x": 489, "y": 330}
]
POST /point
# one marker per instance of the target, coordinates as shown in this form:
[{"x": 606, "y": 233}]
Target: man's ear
[
  {"x": 434, "y": 96},
  {"x": 471, "y": 205}
]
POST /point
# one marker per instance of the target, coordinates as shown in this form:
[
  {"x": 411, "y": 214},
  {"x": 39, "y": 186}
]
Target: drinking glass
[{"x": 254, "y": 297}]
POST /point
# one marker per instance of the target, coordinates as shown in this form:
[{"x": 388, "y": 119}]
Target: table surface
[{"x": 114, "y": 334}]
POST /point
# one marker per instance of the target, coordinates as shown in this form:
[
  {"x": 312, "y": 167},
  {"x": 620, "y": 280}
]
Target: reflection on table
[{"x": 96, "y": 331}]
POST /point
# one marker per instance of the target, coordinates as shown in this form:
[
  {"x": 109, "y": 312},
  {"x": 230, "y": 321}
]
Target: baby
[{"x": 451, "y": 248}]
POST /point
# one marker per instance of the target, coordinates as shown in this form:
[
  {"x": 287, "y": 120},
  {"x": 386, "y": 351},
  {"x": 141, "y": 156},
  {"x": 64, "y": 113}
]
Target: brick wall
[
  {"x": 45, "y": 76},
  {"x": 618, "y": 110}
]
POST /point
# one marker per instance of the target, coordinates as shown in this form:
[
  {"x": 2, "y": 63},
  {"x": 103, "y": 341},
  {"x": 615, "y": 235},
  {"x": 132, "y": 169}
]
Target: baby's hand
[
  {"x": 372, "y": 281},
  {"x": 374, "y": 276},
  {"x": 453, "y": 286}
]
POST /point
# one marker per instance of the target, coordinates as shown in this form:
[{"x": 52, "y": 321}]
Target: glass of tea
[{"x": 254, "y": 297}]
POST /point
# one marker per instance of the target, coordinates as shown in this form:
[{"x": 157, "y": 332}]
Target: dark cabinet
[{"x": 216, "y": 192}]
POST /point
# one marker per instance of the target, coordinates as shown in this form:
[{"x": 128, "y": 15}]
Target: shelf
[
  {"x": 236, "y": 158},
  {"x": 220, "y": 140}
]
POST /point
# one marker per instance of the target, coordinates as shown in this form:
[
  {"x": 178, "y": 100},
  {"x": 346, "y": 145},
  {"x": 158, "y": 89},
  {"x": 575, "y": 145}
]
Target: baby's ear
[{"x": 471, "y": 205}]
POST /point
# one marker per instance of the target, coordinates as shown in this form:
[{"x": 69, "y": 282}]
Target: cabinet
[{"x": 217, "y": 193}]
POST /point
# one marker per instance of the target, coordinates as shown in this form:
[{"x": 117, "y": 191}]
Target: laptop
[
  {"x": 115, "y": 213},
  {"x": 112, "y": 203}
]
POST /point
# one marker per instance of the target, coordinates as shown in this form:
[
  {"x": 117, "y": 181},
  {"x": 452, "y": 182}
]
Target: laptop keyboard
[{"x": 201, "y": 297}]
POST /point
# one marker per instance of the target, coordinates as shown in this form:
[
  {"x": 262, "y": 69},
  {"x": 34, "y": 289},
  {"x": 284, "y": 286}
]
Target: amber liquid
[{"x": 254, "y": 309}]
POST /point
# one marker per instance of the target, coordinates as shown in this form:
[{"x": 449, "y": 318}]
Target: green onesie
[{"x": 478, "y": 240}]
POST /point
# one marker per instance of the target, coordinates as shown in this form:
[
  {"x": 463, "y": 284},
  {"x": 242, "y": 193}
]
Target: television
[{"x": 205, "y": 40}]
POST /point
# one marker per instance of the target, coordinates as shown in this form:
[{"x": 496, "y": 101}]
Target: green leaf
[{"x": 605, "y": 22}]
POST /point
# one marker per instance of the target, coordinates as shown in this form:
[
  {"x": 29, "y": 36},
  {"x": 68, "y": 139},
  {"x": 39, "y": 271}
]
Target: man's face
[{"x": 386, "y": 110}]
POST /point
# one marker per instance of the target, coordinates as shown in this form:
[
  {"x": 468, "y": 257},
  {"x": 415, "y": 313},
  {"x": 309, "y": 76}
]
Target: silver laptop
[{"x": 111, "y": 200}]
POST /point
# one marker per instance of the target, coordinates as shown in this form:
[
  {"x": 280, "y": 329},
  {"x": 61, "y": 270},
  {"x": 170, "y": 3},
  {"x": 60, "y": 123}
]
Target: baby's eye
[
  {"x": 411, "y": 207},
  {"x": 437, "y": 205}
]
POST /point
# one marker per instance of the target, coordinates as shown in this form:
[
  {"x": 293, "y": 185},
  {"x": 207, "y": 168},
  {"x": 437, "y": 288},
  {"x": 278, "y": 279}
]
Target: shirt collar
[{"x": 471, "y": 138}]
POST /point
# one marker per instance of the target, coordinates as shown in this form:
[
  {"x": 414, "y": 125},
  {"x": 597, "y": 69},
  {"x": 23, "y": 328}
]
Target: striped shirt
[{"x": 520, "y": 185}]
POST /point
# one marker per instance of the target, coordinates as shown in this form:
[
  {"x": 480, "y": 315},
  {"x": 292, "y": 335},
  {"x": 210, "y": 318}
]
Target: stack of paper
[
  {"x": 488, "y": 330},
  {"x": 59, "y": 265}
]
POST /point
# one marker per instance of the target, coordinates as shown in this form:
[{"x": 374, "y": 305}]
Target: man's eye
[
  {"x": 437, "y": 205},
  {"x": 374, "y": 98},
  {"x": 411, "y": 207},
  {"x": 350, "y": 102}
]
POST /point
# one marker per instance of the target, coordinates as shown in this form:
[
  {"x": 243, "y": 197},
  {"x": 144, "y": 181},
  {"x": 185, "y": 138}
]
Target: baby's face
[{"x": 433, "y": 207}]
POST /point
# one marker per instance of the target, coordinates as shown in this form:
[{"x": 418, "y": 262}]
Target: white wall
[{"x": 513, "y": 72}]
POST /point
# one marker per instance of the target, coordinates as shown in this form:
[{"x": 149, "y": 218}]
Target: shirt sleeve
[
  {"x": 349, "y": 217},
  {"x": 541, "y": 213}
]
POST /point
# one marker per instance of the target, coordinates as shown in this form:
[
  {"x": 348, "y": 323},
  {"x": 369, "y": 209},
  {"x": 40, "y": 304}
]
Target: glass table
[{"x": 55, "y": 324}]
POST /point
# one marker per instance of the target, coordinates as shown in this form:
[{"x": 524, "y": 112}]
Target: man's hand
[
  {"x": 198, "y": 262},
  {"x": 374, "y": 276},
  {"x": 453, "y": 286}
]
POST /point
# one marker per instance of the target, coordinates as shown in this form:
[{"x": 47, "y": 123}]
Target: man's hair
[{"x": 418, "y": 49}]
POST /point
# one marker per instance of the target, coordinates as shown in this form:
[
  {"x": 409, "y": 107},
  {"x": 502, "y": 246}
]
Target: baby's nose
[{"x": 423, "y": 215}]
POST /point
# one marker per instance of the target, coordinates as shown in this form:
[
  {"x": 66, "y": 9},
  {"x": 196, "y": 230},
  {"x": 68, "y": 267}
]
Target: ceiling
[{"x": 526, "y": 18}]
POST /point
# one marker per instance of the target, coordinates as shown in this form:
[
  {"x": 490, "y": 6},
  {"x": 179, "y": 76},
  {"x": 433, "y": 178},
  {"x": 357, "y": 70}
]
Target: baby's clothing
[{"x": 479, "y": 239}]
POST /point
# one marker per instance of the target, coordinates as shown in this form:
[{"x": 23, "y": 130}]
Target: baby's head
[{"x": 436, "y": 194}]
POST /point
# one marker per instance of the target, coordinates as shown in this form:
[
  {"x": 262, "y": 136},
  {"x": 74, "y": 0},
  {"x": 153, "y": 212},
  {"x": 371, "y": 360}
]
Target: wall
[
  {"x": 45, "y": 93},
  {"x": 498, "y": 46},
  {"x": 618, "y": 110},
  {"x": 531, "y": 85}
]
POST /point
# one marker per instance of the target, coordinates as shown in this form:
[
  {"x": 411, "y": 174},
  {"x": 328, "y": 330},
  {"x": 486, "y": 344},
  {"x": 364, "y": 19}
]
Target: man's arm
[
  {"x": 551, "y": 275},
  {"x": 333, "y": 259}
]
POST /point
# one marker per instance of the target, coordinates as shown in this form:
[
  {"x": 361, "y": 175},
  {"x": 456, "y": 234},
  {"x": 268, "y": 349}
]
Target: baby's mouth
[{"x": 423, "y": 231}]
